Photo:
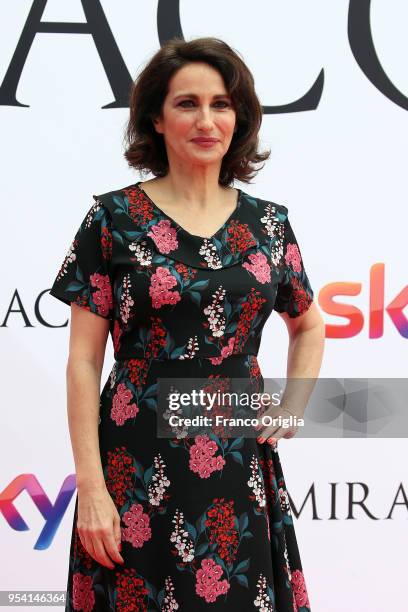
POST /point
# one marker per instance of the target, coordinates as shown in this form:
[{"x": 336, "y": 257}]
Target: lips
[{"x": 205, "y": 139}]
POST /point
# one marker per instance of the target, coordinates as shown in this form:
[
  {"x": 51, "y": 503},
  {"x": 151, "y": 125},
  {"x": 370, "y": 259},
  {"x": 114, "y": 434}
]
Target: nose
[{"x": 204, "y": 121}]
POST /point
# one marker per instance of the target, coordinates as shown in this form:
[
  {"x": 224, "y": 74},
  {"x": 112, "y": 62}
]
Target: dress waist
[
  {"x": 195, "y": 358},
  {"x": 142, "y": 371}
]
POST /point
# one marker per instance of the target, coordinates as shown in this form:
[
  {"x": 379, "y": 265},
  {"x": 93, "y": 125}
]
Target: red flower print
[
  {"x": 119, "y": 477},
  {"x": 116, "y": 336},
  {"x": 239, "y": 237},
  {"x": 223, "y": 532},
  {"x": 157, "y": 339},
  {"x": 268, "y": 471},
  {"x": 223, "y": 407},
  {"x": 254, "y": 369},
  {"x": 106, "y": 243},
  {"x": 140, "y": 209},
  {"x": 185, "y": 271},
  {"x": 80, "y": 552},
  {"x": 300, "y": 297},
  {"x": 131, "y": 591},
  {"x": 83, "y": 596},
  {"x": 138, "y": 370},
  {"x": 249, "y": 310}
]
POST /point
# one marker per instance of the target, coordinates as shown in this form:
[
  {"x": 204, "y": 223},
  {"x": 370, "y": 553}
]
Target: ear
[{"x": 157, "y": 125}]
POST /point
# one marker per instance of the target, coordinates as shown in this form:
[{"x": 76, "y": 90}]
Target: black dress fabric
[{"x": 206, "y": 521}]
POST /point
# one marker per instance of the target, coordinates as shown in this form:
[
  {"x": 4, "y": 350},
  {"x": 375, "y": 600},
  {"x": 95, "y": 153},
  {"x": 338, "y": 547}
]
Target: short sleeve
[
  {"x": 84, "y": 277},
  {"x": 294, "y": 294}
]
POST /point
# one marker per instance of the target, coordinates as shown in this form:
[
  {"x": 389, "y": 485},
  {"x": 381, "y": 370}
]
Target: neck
[{"x": 196, "y": 192}]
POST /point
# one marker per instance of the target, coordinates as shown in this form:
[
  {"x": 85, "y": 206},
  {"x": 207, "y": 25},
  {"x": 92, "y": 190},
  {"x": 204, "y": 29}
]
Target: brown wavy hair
[{"x": 145, "y": 148}]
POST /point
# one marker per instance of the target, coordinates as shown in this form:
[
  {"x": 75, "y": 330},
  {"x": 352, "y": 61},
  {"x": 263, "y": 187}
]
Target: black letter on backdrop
[
  {"x": 96, "y": 24},
  {"x": 362, "y": 47},
  {"x": 168, "y": 26}
]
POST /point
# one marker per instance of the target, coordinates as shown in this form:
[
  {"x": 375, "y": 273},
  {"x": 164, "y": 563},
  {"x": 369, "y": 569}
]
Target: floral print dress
[{"x": 206, "y": 522}]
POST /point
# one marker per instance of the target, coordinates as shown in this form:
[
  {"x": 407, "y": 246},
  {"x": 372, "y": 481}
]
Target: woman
[{"x": 183, "y": 271}]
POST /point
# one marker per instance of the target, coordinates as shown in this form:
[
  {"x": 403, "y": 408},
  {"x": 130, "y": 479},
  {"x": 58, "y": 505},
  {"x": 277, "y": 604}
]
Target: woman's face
[{"x": 197, "y": 105}]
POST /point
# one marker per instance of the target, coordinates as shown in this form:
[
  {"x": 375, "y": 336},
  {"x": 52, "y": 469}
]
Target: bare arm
[
  {"x": 88, "y": 335},
  {"x": 305, "y": 354},
  {"x": 306, "y": 343},
  {"x": 98, "y": 519}
]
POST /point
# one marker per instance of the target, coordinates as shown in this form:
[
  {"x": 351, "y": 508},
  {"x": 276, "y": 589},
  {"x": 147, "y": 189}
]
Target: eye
[{"x": 183, "y": 102}]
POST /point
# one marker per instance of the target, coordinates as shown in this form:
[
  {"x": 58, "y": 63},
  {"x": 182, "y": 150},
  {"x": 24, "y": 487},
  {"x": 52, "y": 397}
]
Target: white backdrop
[{"x": 339, "y": 167}]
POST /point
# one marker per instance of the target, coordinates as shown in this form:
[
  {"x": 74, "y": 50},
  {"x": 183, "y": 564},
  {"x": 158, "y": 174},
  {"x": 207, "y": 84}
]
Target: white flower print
[
  {"x": 159, "y": 482},
  {"x": 214, "y": 312},
  {"x": 142, "y": 253},
  {"x": 285, "y": 553},
  {"x": 112, "y": 375},
  {"x": 126, "y": 301},
  {"x": 192, "y": 348},
  {"x": 181, "y": 538},
  {"x": 284, "y": 501},
  {"x": 169, "y": 602},
  {"x": 262, "y": 600},
  {"x": 209, "y": 251},
  {"x": 92, "y": 212},
  {"x": 256, "y": 482},
  {"x": 69, "y": 258},
  {"x": 181, "y": 431},
  {"x": 274, "y": 229}
]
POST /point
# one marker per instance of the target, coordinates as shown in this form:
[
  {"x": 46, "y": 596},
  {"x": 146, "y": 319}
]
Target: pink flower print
[
  {"x": 217, "y": 462},
  {"x": 208, "y": 583},
  {"x": 164, "y": 236},
  {"x": 161, "y": 283},
  {"x": 292, "y": 257},
  {"x": 259, "y": 267},
  {"x": 202, "y": 459},
  {"x": 226, "y": 351},
  {"x": 83, "y": 596},
  {"x": 201, "y": 441},
  {"x": 103, "y": 297},
  {"x": 121, "y": 409},
  {"x": 299, "y": 587},
  {"x": 138, "y": 529}
]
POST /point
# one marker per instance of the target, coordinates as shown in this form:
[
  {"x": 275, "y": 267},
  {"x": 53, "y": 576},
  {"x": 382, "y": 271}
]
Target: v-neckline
[{"x": 180, "y": 228}]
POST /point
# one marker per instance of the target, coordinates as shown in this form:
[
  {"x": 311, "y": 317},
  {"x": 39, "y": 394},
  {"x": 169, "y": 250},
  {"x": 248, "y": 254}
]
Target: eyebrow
[{"x": 192, "y": 95}]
